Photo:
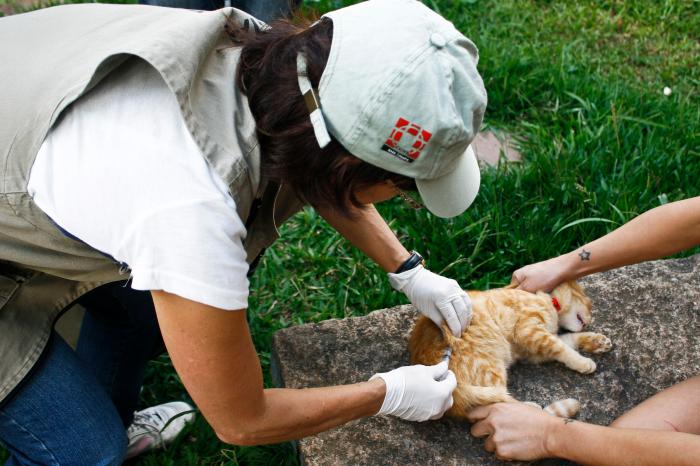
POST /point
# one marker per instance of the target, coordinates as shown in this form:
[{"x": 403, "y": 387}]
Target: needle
[{"x": 445, "y": 357}]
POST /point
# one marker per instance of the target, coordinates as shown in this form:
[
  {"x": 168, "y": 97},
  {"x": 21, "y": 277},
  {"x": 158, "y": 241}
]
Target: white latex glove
[
  {"x": 436, "y": 297},
  {"x": 418, "y": 393}
]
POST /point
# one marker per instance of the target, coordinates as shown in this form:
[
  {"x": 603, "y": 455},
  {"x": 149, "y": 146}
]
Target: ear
[
  {"x": 578, "y": 293},
  {"x": 563, "y": 295},
  {"x": 575, "y": 287}
]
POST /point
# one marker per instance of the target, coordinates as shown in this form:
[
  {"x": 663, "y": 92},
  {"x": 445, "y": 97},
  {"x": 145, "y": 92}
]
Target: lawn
[{"x": 580, "y": 86}]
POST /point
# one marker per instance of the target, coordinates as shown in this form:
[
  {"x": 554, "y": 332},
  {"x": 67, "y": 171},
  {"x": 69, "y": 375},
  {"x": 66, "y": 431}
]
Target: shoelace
[{"x": 147, "y": 422}]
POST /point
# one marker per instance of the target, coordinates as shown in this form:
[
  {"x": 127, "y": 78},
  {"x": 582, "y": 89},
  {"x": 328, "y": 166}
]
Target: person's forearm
[
  {"x": 654, "y": 234},
  {"x": 369, "y": 233},
  {"x": 602, "y": 446},
  {"x": 213, "y": 353},
  {"x": 292, "y": 414}
]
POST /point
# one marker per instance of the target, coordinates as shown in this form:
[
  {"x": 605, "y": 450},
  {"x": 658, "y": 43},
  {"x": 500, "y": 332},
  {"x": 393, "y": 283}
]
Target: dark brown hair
[{"x": 267, "y": 74}]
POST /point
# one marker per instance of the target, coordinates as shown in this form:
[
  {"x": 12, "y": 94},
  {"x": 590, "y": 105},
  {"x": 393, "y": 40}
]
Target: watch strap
[{"x": 411, "y": 262}]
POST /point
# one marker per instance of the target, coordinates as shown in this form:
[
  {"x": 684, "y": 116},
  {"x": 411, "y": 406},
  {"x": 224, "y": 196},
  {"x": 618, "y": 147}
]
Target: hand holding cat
[
  {"x": 514, "y": 430},
  {"x": 541, "y": 276},
  {"x": 437, "y": 297},
  {"x": 418, "y": 393}
]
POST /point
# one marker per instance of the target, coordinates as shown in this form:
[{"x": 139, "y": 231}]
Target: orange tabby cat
[{"x": 508, "y": 325}]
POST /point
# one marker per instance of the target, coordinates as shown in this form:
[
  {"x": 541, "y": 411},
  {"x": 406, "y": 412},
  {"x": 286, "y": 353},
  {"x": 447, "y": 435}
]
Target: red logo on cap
[{"x": 419, "y": 135}]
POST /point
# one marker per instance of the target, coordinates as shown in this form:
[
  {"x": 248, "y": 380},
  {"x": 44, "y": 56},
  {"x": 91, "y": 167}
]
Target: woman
[
  {"x": 143, "y": 140},
  {"x": 663, "y": 429}
]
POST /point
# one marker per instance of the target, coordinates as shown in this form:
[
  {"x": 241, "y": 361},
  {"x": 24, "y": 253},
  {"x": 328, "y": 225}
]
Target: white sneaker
[{"x": 157, "y": 426}]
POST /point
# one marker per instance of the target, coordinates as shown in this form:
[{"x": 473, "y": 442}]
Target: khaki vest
[{"x": 50, "y": 58}]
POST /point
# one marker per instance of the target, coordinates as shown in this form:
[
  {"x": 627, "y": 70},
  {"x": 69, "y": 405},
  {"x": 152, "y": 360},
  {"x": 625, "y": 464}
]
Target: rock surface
[
  {"x": 650, "y": 312},
  {"x": 489, "y": 145}
]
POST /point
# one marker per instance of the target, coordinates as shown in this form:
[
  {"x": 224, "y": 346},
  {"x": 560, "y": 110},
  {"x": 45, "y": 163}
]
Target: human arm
[
  {"x": 435, "y": 296},
  {"x": 520, "y": 432},
  {"x": 369, "y": 233},
  {"x": 213, "y": 353},
  {"x": 657, "y": 233}
]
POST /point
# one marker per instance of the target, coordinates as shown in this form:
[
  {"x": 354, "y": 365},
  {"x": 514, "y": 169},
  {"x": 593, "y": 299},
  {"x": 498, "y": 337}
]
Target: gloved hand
[
  {"x": 418, "y": 393},
  {"x": 436, "y": 297}
]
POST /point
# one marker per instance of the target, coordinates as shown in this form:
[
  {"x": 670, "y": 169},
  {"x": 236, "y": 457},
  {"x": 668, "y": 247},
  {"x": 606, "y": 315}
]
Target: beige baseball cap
[{"x": 401, "y": 91}]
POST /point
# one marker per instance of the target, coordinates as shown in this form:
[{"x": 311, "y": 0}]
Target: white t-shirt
[{"x": 121, "y": 172}]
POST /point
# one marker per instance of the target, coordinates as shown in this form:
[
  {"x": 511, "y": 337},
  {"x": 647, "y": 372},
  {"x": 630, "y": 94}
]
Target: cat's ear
[
  {"x": 575, "y": 287},
  {"x": 563, "y": 295},
  {"x": 578, "y": 293}
]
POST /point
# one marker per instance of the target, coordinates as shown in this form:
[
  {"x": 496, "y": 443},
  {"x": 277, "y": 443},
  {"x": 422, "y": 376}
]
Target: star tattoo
[{"x": 585, "y": 255}]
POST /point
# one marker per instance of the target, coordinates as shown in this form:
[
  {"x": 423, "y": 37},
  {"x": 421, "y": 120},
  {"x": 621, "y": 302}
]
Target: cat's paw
[
  {"x": 595, "y": 343},
  {"x": 584, "y": 366},
  {"x": 564, "y": 408}
]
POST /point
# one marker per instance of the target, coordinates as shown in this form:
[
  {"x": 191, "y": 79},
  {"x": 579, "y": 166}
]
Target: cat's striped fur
[{"x": 507, "y": 325}]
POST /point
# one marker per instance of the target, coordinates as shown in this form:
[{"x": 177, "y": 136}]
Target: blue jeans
[{"x": 75, "y": 405}]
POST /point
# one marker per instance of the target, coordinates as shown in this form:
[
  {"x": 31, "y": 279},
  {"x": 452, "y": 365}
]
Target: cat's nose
[{"x": 583, "y": 322}]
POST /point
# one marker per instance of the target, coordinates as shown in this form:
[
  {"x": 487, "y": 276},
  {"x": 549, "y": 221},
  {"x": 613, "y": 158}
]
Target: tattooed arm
[
  {"x": 654, "y": 234},
  {"x": 516, "y": 431}
]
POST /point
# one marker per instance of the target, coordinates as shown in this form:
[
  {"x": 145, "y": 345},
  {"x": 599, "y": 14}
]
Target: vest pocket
[
  {"x": 11, "y": 279},
  {"x": 8, "y": 286}
]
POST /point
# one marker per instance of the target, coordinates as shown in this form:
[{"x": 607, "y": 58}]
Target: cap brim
[{"x": 451, "y": 194}]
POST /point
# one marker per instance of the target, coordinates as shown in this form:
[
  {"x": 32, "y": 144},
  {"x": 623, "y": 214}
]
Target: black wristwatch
[{"x": 411, "y": 262}]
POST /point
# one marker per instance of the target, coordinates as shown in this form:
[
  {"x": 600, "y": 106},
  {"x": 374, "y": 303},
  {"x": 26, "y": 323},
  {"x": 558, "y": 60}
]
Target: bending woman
[{"x": 166, "y": 146}]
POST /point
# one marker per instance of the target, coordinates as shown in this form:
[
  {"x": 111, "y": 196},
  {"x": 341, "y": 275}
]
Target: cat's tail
[{"x": 564, "y": 408}]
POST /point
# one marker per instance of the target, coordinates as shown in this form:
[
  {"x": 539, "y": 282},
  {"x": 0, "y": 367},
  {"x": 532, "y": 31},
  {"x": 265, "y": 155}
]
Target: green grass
[{"x": 579, "y": 84}]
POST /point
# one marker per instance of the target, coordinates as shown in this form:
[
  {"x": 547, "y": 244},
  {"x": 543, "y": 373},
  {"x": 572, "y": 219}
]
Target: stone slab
[
  {"x": 650, "y": 311},
  {"x": 489, "y": 145}
]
